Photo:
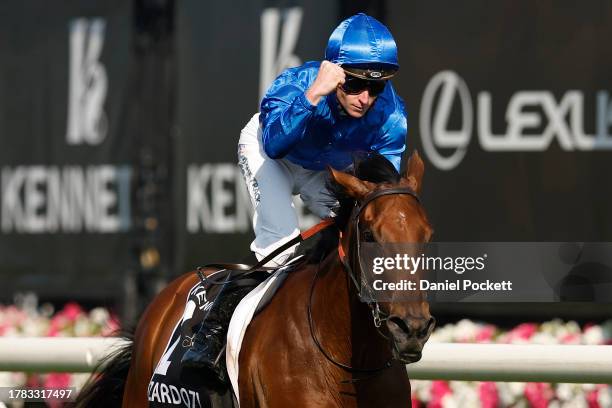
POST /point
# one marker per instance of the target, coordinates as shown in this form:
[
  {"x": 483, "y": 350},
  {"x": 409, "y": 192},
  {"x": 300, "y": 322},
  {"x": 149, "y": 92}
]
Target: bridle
[{"x": 353, "y": 269}]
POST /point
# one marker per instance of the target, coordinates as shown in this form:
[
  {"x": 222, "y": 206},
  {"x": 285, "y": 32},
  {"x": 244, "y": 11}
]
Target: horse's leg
[{"x": 153, "y": 331}]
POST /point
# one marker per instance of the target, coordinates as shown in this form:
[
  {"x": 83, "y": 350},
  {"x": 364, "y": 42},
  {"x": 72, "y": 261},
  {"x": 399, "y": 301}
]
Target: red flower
[
  {"x": 438, "y": 390},
  {"x": 56, "y": 381},
  {"x": 571, "y": 338},
  {"x": 523, "y": 331},
  {"x": 71, "y": 311},
  {"x": 485, "y": 335},
  {"x": 591, "y": 398},
  {"x": 538, "y": 394},
  {"x": 488, "y": 394}
]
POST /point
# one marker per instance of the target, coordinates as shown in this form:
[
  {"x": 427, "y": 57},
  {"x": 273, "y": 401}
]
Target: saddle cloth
[
  {"x": 166, "y": 387},
  {"x": 251, "y": 304}
]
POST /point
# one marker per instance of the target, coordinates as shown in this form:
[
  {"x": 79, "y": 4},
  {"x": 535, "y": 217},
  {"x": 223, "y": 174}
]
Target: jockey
[{"x": 312, "y": 116}]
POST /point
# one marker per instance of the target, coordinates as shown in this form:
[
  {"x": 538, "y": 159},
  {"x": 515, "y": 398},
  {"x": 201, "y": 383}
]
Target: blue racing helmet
[{"x": 364, "y": 47}]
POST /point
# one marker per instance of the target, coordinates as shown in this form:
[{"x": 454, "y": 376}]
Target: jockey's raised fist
[{"x": 329, "y": 77}]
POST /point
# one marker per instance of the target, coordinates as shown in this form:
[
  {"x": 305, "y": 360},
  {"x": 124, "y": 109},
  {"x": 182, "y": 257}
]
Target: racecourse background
[{"x": 119, "y": 122}]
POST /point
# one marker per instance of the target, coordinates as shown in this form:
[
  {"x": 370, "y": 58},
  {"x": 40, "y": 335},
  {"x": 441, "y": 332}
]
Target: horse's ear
[
  {"x": 414, "y": 171},
  {"x": 352, "y": 185}
]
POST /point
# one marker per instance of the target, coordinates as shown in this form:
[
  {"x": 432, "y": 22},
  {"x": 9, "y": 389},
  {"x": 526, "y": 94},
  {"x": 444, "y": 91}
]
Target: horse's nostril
[
  {"x": 428, "y": 327},
  {"x": 421, "y": 329},
  {"x": 401, "y": 324}
]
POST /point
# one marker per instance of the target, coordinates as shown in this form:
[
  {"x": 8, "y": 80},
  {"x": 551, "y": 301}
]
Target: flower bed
[
  {"x": 438, "y": 394},
  {"x": 72, "y": 321}
]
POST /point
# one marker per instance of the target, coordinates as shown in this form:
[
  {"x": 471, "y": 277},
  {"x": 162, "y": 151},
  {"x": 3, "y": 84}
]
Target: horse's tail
[{"x": 105, "y": 386}]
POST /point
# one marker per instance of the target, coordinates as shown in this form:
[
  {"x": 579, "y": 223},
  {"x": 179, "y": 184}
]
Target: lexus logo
[
  {"x": 534, "y": 120},
  {"x": 434, "y": 129}
]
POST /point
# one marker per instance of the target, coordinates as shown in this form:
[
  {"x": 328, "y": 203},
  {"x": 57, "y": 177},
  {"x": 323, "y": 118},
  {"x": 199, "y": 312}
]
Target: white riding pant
[{"x": 271, "y": 185}]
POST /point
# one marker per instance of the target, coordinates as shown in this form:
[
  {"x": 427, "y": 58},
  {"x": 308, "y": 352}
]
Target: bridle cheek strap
[{"x": 353, "y": 269}]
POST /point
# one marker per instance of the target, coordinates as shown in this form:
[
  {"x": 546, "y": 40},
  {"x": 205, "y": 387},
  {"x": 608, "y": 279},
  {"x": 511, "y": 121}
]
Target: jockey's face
[{"x": 355, "y": 105}]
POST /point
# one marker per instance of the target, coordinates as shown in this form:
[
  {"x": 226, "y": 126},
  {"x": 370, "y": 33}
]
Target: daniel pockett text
[
  {"x": 486, "y": 271},
  {"x": 417, "y": 266}
]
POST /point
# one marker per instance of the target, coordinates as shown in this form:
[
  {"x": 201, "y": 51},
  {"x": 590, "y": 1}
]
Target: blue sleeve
[
  {"x": 284, "y": 113},
  {"x": 393, "y": 141}
]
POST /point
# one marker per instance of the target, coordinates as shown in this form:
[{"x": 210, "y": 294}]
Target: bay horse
[{"x": 316, "y": 344}]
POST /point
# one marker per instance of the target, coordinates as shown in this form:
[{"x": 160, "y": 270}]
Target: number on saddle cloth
[{"x": 166, "y": 387}]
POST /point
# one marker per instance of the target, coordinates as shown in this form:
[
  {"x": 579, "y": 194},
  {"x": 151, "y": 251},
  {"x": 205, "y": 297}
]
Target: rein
[
  {"x": 259, "y": 266},
  {"x": 350, "y": 270}
]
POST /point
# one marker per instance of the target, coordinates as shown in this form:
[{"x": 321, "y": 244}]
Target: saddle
[{"x": 235, "y": 281}]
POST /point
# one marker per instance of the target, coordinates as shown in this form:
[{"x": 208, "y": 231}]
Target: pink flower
[
  {"x": 591, "y": 398},
  {"x": 488, "y": 394},
  {"x": 56, "y": 381},
  {"x": 112, "y": 325},
  {"x": 71, "y": 311},
  {"x": 14, "y": 316},
  {"x": 485, "y": 335},
  {"x": 58, "y": 323},
  {"x": 415, "y": 402},
  {"x": 522, "y": 332},
  {"x": 571, "y": 338},
  {"x": 438, "y": 390},
  {"x": 538, "y": 394}
]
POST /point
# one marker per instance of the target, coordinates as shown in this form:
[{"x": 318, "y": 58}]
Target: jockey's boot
[{"x": 204, "y": 361}]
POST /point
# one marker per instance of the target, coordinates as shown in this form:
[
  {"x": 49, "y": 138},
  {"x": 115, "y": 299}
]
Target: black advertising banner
[
  {"x": 65, "y": 170},
  {"x": 509, "y": 104},
  {"x": 119, "y": 133},
  {"x": 228, "y": 53}
]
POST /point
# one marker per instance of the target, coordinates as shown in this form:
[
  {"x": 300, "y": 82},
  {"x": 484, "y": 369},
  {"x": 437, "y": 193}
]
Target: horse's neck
[{"x": 341, "y": 315}]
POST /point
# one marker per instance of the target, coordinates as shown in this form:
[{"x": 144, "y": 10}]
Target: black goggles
[{"x": 353, "y": 85}]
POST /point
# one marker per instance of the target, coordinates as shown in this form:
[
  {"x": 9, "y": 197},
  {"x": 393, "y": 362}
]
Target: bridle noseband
[
  {"x": 355, "y": 246},
  {"x": 354, "y": 249}
]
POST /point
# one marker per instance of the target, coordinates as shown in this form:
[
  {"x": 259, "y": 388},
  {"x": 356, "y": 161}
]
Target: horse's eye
[{"x": 367, "y": 236}]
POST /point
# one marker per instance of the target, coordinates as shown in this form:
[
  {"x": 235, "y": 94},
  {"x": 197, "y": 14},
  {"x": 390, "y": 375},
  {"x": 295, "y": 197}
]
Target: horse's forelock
[
  {"x": 367, "y": 166},
  {"x": 374, "y": 167}
]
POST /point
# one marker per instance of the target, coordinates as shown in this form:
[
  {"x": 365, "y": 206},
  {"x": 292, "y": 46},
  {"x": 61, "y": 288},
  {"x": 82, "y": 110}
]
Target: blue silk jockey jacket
[{"x": 316, "y": 136}]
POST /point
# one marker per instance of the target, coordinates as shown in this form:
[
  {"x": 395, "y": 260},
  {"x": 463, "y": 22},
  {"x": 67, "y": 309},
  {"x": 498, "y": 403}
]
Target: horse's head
[{"x": 390, "y": 213}]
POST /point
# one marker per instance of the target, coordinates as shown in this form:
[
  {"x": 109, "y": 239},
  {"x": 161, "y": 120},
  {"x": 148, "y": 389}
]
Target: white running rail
[{"x": 444, "y": 361}]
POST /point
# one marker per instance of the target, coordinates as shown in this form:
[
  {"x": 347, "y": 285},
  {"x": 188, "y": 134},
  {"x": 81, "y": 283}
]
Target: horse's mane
[{"x": 368, "y": 166}]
